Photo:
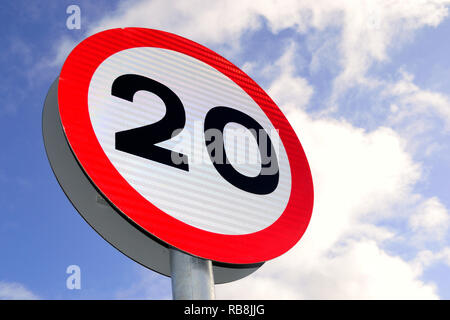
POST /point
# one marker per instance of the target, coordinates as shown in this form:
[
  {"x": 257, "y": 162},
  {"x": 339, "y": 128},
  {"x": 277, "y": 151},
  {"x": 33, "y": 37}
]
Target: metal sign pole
[{"x": 192, "y": 277}]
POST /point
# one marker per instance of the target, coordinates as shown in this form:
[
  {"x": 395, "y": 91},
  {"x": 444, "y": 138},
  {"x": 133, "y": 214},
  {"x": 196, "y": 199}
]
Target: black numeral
[
  {"x": 267, "y": 179},
  {"x": 140, "y": 141}
]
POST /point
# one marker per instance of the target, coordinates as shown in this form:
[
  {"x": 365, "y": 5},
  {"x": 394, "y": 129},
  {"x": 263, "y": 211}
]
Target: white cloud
[
  {"x": 421, "y": 116},
  {"x": 15, "y": 291},
  {"x": 359, "y": 270},
  {"x": 62, "y": 51},
  {"x": 411, "y": 101},
  {"x": 431, "y": 220},
  {"x": 370, "y": 28},
  {"x": 426, "y": 258},
  {"x": 287, "y": 84},
  {"x": 55, "y": 59}
]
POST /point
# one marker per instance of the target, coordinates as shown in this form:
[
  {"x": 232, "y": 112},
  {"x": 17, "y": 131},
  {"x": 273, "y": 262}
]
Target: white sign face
[{"x": 199, "y": 197}]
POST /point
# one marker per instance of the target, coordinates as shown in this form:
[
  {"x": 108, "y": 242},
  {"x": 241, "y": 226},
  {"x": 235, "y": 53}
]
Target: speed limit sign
[{"x": 185, "y": 145}]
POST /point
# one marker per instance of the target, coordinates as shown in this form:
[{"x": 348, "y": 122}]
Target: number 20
[{"x": 141, "y": 141}]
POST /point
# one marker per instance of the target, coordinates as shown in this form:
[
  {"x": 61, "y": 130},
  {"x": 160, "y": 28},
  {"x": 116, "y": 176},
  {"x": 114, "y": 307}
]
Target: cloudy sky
[{"x": 364, "y": 84}]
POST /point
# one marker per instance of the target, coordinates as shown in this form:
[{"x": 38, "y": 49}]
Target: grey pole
[{"x": 192, "y": 277}]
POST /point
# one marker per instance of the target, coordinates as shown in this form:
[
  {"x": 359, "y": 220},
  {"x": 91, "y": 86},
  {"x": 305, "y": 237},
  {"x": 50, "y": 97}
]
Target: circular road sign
[{"x": 185, "y": 145}]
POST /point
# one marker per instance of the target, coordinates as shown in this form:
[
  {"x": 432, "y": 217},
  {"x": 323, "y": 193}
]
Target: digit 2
[{"x": 140, "y": 141}]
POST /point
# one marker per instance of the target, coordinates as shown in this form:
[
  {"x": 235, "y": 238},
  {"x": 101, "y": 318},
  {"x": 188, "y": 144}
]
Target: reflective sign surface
[{"x": 185, "y": 145}]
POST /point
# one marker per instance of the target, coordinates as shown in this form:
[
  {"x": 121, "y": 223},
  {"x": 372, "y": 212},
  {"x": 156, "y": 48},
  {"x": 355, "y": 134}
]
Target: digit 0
[{"x": 267, "y": 179}]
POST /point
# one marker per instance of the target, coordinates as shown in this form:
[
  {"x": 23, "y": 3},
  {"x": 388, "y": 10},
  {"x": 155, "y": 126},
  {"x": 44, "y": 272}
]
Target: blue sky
[{"x": 364, "y": 84}]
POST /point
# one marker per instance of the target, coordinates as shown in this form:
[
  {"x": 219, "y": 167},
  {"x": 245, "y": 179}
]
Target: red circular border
[{"x": 260, "y": 246}]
